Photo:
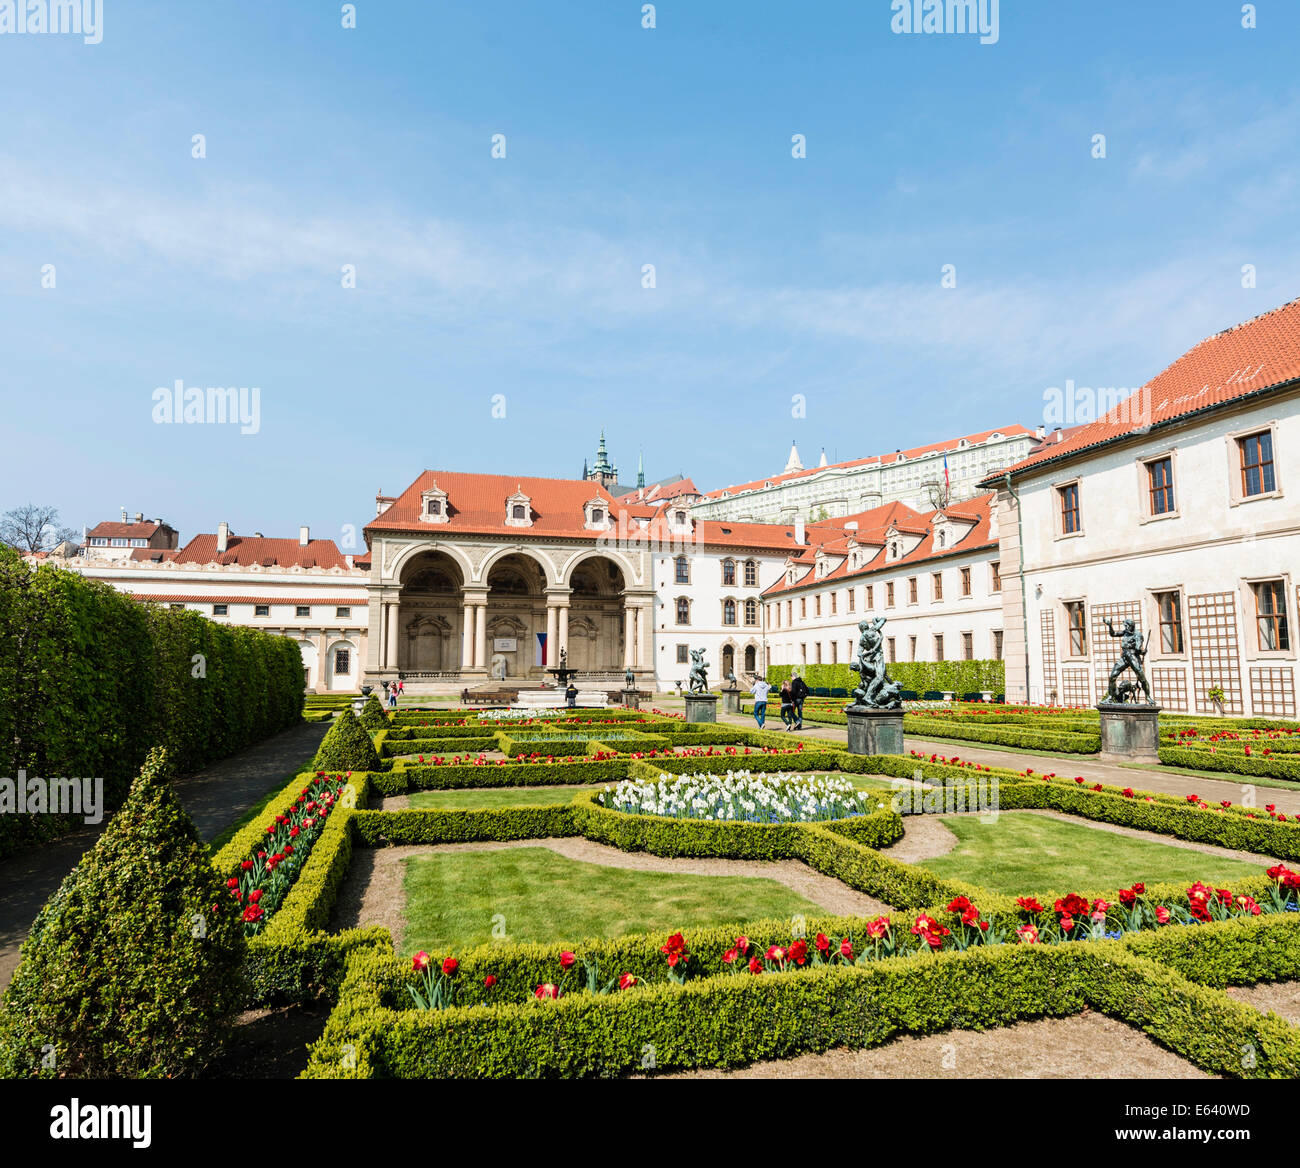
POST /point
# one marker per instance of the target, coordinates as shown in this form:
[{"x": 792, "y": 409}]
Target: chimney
[
  {"x": 223, "y": 537},
  {"x": 139, "y": 516},
  {"x": 123, "y": 514},
  {"x": 1040, "y": 432},
  {"x": 304, "y": 536},
  {"x": 798, "y": 529},
  {"x": 1060, "y": 434}
]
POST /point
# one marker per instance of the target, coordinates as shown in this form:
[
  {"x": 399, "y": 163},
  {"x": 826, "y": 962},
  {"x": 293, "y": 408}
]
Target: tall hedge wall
[
  {"x": 91, "y": 679},
  {"x": 919, "y": 676}
]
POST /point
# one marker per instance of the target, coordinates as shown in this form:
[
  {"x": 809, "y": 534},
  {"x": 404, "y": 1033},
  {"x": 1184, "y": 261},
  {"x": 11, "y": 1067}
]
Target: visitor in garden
[
  {"x": 392, "y": 696},
  {"x": 571, "y": 696},
  {"x": 787, "y": 704},
  {"x": 798, "y": 691},
  {"x": 760, "y": 692}
]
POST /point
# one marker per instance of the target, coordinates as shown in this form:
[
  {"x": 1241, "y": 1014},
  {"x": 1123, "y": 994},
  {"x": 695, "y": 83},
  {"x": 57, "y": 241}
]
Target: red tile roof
[
  {"x": 873, "y": 527},
  {"x": 1251, "y": 358},
  {"x": 124, "y": 530},
  {"x": 249, "y": 550}
]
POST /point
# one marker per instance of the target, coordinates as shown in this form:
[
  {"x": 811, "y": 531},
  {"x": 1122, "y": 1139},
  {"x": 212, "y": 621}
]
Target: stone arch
[
  {"x": 576, "y": 560},
  {"x": 398, "y": 567},
  {"x": 430, "y": 614},
  {"x": 516, "y": 584},
  {"x": 550, "y": 572},
  {"x": 597, "y": 595}
]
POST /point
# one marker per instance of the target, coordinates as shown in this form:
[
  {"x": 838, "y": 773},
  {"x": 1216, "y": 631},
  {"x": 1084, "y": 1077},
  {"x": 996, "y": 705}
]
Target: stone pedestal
[
  {"x": 701, "y": 707},
  {"x": 1130, "y": 733},
  {"x": 631, "y": 699},
  {"x": 873, "y": 731},
  {"x": 731, "y": 701}
]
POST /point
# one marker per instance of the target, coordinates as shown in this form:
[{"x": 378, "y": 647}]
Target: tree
[
  {"x": 31, "y": 528},
  {"x": 347, "y": 747}
]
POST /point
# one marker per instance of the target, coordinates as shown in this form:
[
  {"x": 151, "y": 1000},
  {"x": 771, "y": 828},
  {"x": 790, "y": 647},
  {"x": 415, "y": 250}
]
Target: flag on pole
[
  {"x": 541, "y": 649},
  {"x": 946, "y": 484}
]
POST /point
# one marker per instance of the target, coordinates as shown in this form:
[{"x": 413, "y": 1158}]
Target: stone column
[
  {"x": 642, "y": 641},
  {"x": 480, "y": 637},
  {"x": 393, "y": 626},
  {"x": 467, "y": 636},
  {"x": 629, "y": 636},
  {"x": 552, "y": 634},
  {"x": 563, "y": 634}
]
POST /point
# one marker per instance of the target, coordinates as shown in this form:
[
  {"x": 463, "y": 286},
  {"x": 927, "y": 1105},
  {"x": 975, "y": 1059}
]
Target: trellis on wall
[
  {"x": 1169, "y": 688},
  {"x": 1216, "y": 654},
  {"x": 1272, "y": 690},
  {"x": 1049, "y": 654}
]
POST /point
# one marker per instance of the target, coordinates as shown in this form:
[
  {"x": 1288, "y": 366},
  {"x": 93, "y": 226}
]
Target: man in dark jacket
[{"x": 798, "y": 691}]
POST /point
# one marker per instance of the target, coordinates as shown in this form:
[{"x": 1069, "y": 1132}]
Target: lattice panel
[
  {"x": 1074, "y": 685},
  {"x": 1169, "y": 688},
  {"x": 1104, "y": 648},
  {"x": 1216, "y": 654},
  {"x": 1272, "y": 690},
  {"x": 1049, "y": 653}
]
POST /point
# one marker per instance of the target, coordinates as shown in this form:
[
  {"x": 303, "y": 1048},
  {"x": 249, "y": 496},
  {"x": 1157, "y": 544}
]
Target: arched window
[
  {"x": 433, "y": 507},
  {"x": 683, "y": 570},
  {"x": 728, "y": 612},
  {"x": 728, "y": 573},
  {"x": 751, "y": 612},
  {"x": 751, "y": 574},
  {"x": 517, "y": 511},
  {"x": 751, "y": 659},
  {"x": 683, "y": 611},
  {"x": 942, "y": 537}
]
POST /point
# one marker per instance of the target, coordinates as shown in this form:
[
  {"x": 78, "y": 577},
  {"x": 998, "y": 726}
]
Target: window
[
  {"x": 751, "y": 574},
  {"x": 1069, "y": 496},
  {"x": 751, "y": 612},
  {"x": 893, "y": 650},
  {"x": 817, "y": 606},
  {"x": 1270, "y": 615},
  {"x": 302, "y": 610},
  {"x": 997, "y": 644},
  {"x": 937, "y": 577},
  {"x": 889, "y": 595},
  {"x": 834, "y": 602},
  {"x": 433, "y": 506},
  {"x": 1160, "y": 485},
  {"x": 835, "y": 652},
  {"x": 789, "y": 612},
  {"x": 728, "y": 612},
  {"x": 1257, "y": 477},
  {"x": 938, "y": 646},
  {"x": 728, "y": 573},
  {"x": 911, "y": 590},
  {"x": 179, "y": 607},
  {"x": 517, "y": 511},
  {"x": 803, "y": 653},
  {"x": 803, "y": 608},
  {"x": 965, "y": 581},
  {"x": 683, "y": 611},
  {"x": 912, "y": 641},
  {"x": 343, "y": 612},
  {"x": 995, "y": 570},
  {"x": 1170, "y": 609},
  {"x": 871, "y": 596},
  {"x": 680, "y": 518},
  {"x": 1075, "y": 622},
  {"x": 342, "y": 662},
  {"x": 597, "y": 515},
  {"x": 261, "y": 610},
  {"x": 968, "y": 646},
  {"x": 852, "y": 595},
  {"x": 219, "y": 610},
  {"x": 683, "y": 654},
  {"x": 683, "y": 570},
  {"x": 817, "y": 648}
]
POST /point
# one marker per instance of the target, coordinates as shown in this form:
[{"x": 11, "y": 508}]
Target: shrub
[
  {"x": 953, "y": 676},
  {"x": 133, "y": 968},
  {"x": 346, "y": 747},
  {"x": 373, "y": 717}
]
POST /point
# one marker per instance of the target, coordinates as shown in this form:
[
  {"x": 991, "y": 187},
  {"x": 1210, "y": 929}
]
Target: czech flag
[
  {"x": 946, "y": 484},
  {"x": 541, "y": 649}
]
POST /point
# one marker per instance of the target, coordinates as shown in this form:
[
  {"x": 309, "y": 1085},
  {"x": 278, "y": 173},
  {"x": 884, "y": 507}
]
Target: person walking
[
  {"x": 787, "y": 704},
  {"x": 392, "y": 696},
  {"x": 760, "y": 692},
  {"x": 798, "y": 691}
]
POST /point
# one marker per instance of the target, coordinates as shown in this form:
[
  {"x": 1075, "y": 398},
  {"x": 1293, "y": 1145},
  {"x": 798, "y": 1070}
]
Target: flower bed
[{"x": 742, "y": 796}]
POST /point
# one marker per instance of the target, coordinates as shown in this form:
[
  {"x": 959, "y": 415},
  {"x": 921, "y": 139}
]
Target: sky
[{"x": 501, "y": 315}]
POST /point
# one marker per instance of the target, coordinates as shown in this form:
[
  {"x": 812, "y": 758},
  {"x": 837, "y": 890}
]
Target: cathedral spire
[
  {"x": 793, "y": 463},
  {"x": 640, "y": 469}
]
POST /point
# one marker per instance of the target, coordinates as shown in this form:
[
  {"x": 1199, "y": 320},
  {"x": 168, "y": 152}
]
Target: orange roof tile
[{"x": 246, "y": 550}]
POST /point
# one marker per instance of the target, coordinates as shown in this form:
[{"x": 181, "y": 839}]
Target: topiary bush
[
  {"x": 347, "y": 747},
  {"x": 134, "y": 966},
  {"x": 373, "y": 717}
]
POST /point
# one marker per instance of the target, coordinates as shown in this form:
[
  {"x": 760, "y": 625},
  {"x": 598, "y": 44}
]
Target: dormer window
[
  {"x": 941, "y": 537},
  {"x": 519, "y": 510},
  {"x": 433, "y": 505},
  {"x": 596, "y": 514}
]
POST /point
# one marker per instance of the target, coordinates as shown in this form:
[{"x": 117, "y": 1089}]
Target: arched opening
[
  {"x": 596, "y": 616},
  {"x": 751, "y": 659},
  {"x": 430, "y": 617},
  {"x": 728, "y": 661},
  {"x": 516, "y": 613}
]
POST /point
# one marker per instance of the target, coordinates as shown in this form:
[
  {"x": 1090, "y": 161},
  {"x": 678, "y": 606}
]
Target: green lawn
[
  {"x": 470, "y": 799},
  {"x": 1023, "y": 853},
  {"x": 451, "y": 898}
]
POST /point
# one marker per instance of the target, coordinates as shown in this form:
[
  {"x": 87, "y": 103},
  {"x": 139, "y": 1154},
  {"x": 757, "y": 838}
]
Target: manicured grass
[
  {"x": 1023, "y": 852},
  {"x": 452, "y": 897},
  {"x": 471, "y": 799}
]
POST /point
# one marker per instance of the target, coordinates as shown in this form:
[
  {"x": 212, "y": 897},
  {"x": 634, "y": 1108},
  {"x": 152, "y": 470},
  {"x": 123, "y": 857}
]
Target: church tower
[{"x": 602, "y": 470}]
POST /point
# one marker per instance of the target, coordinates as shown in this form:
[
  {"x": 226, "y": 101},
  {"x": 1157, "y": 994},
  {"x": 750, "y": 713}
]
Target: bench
[{"x": 488, "y": 697}]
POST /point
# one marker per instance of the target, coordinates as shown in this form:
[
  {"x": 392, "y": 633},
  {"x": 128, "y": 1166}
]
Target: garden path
[{"x": 214, "y": 797}]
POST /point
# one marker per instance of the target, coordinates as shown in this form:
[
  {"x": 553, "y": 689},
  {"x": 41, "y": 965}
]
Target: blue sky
[{"x": 625, "y": 146}]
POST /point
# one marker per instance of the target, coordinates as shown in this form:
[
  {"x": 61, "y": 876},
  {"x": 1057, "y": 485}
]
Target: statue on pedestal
[
  {"x": 629, "y": 679},
  {"x": 699, "y": 679},
  {"x": 1133, "y": 650},
  {"x": 875, "y": 690}
]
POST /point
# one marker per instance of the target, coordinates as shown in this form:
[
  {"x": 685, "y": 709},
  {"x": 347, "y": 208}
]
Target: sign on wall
[{"x": 504, "y": 644}]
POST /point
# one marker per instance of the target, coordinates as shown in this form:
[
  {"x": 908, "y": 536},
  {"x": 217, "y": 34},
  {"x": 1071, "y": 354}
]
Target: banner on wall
[{"x": 541, "y": 649}]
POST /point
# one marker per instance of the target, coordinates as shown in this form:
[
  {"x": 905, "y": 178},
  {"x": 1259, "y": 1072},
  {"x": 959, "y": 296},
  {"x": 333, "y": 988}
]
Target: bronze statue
[
  {"x": 699, "y": 679},
  {"x": 1133, "y": 649},
  {"x": 875, "y": 690},
  {"x": 629, "y": 678}
]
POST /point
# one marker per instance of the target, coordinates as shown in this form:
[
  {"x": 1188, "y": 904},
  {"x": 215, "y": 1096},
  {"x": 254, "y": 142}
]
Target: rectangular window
[
  {"x": 789, "y": 612},
  {"x": 911, "y": 590},
  {"x": 835, "y": 652},
  {"x": 817, "y": 606},
  {"x": 343, "y": 612},
  {"x": 889, "y": 595},
  {"x": 818, "y": 649},
  {"x": 683, "y": 611},
  {"x": 968, "y": 646},
  {"x": 302, "y": 610},
  {"x": 683, "y": 570},
  {"x": 834, "y": 602},
  {"x": 751, "y": 574},
  {"x": 871, "y": 596},
  {"x": 1169, "y": 606},
  {"x": 997, "y": 644},
  {"x": 219, "y": 610},
  {"x": 261, "y": 610},
  {"x": 995, "y": 573},
  {"x": 853, "y": 599},
  {"x": 965, "y": 581},
  {"x": 937, "y": 577},
  {"x": 803, "y": 608},
  {"x": 683, "y": 654},
  {"x": 1257, "y": 476},
  {"x": 1076, "y": 623},
  {"x": 1270, "y": 615},
  {"x": 342, "y": 662},
  {"x": 893, "y": 650},
  {"x": 1069, "y": 508},
  {"x": 728, "y": 573},
  {"x": 803, "y": 653},
  {"x": 751, "y": 612},
  {"x": 1160, "y": 485},
  {"x": 938, "y": 646},
  {"x": 912, "y": 646}
]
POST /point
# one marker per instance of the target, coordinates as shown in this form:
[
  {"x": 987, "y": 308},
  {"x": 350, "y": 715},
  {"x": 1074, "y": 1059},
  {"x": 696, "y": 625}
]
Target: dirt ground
[
  {"x": 1085, "y": 1046},
  {"x": 1282, "y": 997},
  {"x": 270, "y": 1044}
]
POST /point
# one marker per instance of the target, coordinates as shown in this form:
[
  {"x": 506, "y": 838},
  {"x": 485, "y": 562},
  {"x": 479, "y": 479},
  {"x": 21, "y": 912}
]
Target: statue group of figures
[
  {"x": 699, "y": 678},
  {"x": 1132, "y": 652},
  {"x": 875, "y": 690}
]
